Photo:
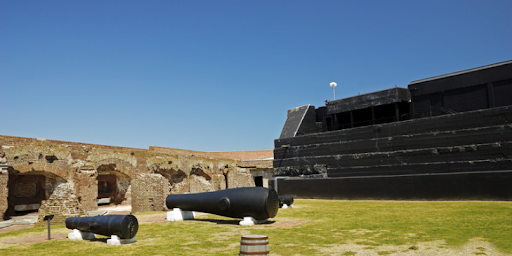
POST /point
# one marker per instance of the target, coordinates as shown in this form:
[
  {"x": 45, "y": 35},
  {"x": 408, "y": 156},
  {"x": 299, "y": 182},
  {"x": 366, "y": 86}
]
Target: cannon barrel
[
  {"x": 124, "y": 226},
  {"x": 257, "y": 202},
  {"x": 285, "y": 199}
]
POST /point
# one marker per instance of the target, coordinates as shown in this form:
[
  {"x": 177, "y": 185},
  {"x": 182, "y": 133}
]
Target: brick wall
[
  {"x": 143, "y": 177},
  {"x": 237, "y": 155},
  {"x": 86, "y": 186},
  {"x": 149, "y": 193},
  {"x": 4, "y": 180},
  {"x": 61, "y": 208},
  {"x": 4, "y": 191}
]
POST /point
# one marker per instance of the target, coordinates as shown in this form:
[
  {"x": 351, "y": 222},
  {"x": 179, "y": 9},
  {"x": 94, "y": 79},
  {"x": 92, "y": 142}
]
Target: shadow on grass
[
  {"x": 230, "y": 222},
  {"x": 99, "y": 239}
]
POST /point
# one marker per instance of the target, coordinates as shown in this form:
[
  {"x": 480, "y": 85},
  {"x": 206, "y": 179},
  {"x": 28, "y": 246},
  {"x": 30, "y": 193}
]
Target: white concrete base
[
  {"x": 249, "y": 221},
  {"x": 178, "y": 215},
  {"x": 114, "y": 240},
  {"x": 77, "y": 235},
  {"x": 103, "y": 200},
  {"x": 26, "y": 207},
  {"x": 286, "y": 206}
]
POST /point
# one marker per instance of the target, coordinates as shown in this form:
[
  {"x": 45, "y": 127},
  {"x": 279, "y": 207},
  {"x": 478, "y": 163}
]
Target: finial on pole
[{"x": 333, "y": 84}]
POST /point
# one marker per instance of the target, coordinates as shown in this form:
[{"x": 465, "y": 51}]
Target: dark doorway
[
  {"x": 258, "y": 181},
  {"x": 26, "y": 193},
  {"x": 107, "y": 188},
  {"x": 112, "y": 185}
]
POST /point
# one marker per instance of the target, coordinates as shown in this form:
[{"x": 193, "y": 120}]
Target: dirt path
[{"x": 15, "y": 227}]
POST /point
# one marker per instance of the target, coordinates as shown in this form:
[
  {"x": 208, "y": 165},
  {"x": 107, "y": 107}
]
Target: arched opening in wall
[
  {"x": 177, "y": 180},
  {"x": 199, "y": 181},
  {"x": 27, "y": 190},
  {"x": 113, "y": 186}
]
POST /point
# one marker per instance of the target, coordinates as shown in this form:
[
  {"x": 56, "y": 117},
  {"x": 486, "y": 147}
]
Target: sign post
[{"x": 48, "y": 218}]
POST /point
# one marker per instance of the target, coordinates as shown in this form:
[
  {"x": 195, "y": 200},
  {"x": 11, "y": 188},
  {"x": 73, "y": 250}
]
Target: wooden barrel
[{"x": 254, "y": 245}]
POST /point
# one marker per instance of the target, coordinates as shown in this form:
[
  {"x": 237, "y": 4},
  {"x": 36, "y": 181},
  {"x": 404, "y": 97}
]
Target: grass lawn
[{"x": 312, "y": 227}]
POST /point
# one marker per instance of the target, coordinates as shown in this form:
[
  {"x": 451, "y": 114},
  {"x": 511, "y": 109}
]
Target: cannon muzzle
[
  {"x": 257, "y": 202},
  {"x": 124, "y": 226},
  {"x": 285, "y": 199}
]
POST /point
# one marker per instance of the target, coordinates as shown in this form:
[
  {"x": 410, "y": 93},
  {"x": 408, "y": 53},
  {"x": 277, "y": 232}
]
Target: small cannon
[
  {"x": 285, "y": 199},
  {"x": 123, "y": 226},
  {"x": 257, "y": 202}
]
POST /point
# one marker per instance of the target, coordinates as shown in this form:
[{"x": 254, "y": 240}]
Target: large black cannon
[
  {"x": 257, "y": 202},
  {"x": 285, "y": 199},
  {"x": 123, "y": 226}
]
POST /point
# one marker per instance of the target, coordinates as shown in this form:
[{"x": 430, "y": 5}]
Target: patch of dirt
[
  {"x": 35, "y": 239},
  {"x": 476, "y": 246},
  {"x": 156, "y": 218},
  {"x": 120, "y": 212},
  {"x": 15, "y": 227}
]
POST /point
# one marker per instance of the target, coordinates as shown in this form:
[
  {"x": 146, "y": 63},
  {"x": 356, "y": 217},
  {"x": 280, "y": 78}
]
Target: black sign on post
[{"x": 48, "y": 218}]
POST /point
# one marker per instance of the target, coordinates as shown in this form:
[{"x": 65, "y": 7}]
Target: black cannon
[
  {"x": 285, "y": 199},
  {"x": 124, "y": 226},
  {"x": 257, "y": 202}
]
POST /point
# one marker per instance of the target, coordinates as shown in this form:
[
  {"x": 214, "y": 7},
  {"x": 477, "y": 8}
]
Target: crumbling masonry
[{"x": 68, "y": 179}]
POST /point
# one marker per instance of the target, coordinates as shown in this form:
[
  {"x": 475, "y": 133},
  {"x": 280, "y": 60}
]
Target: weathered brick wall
[
  {"x": 72, "y": 168},
  {"x": 149, "y": 192},
  {"x": 218, "y": 182},
  {"x": 61, "y": 208},
  {"x": 266, "y": 174},
  {"x": 4, "y": 180},
  {"x": 4, "y": 191},
  {"x": 244, "y": 155},
  {"x": 63, "y": 203},
  {"x": 86, "y": 186},
  {"x": 238, "y": 178},
  {"x": 237, "y": 155}
]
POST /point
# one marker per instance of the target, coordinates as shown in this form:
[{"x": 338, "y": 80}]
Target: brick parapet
[
  {"x": 6, "y": 140},
  {"x": 233, "y": 155}
]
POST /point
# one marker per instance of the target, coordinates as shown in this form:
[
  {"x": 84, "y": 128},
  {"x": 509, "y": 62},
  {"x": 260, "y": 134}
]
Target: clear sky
[{"x": 221, "y": 75}]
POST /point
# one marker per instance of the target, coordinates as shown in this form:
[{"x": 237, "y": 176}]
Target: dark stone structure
[
  {"x": 446, "y": 137},
  {"x": 479, "y": 88}
]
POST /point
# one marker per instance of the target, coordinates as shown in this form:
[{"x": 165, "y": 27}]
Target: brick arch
[
  {"x": 177, "y": 180},
  {"x": 200, "y": 181},
  {"x": 118, "y": 189},
  {"x": 200, "y": 172},
  {"x": 32, "y": 183},
  {"x": 121, "y": 166},
  {"x": 41, "y": 168},
  {"x": 174, "y": 176}
]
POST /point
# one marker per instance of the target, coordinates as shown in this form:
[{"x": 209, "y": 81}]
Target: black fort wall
[
  {"x": 465, "y": 137},
  {"x": 455, "y": 186},
  {"x": 455, "y": 142}
]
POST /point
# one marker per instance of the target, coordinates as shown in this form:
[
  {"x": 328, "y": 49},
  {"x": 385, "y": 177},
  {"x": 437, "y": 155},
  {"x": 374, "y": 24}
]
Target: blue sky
[{"x": 221, "y": 75}]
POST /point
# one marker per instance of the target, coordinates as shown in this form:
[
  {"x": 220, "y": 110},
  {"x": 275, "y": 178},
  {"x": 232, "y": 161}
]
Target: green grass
[{"x": 327, "y": 223}]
